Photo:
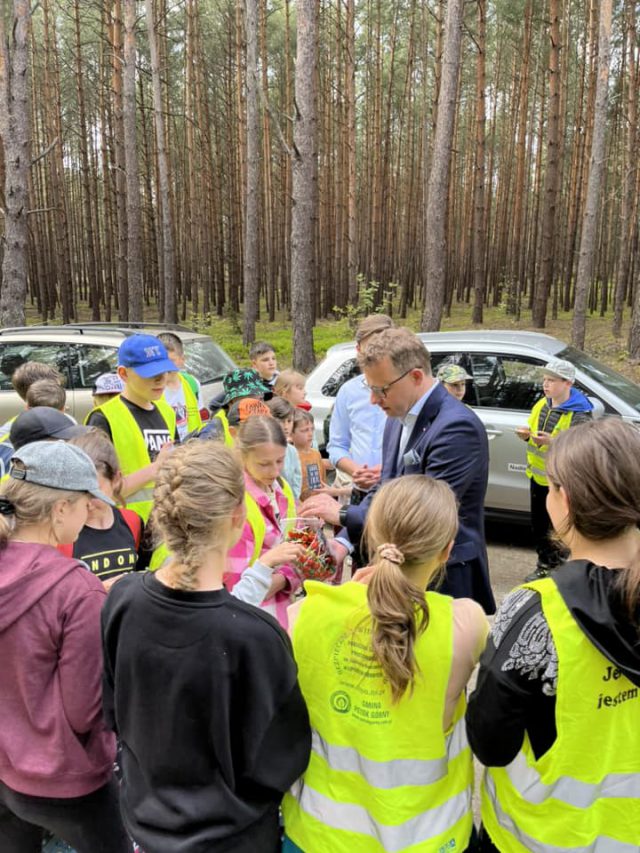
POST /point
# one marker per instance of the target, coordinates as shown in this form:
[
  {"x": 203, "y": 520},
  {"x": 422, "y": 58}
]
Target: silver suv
[
  {"x": 81, "y": 352},
  {"x": 505, "y": 367}
]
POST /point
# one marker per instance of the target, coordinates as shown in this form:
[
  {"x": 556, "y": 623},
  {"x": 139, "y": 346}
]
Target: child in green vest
[{"x": 139, "y": 422}]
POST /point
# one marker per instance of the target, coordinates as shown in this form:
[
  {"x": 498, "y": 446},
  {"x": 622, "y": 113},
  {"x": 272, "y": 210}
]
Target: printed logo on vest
[{"x": 340, "y": 702}]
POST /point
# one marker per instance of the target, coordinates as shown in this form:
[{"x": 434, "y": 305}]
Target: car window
[
  {"x": 206, "y": 360},
  {"x": 506, "y": 381},
  {"x": 611, "y": 379},
  {"x": 91, "y": 362},
  {"x": 439, "y": 359},
  {"x": 12, "y": 355}
]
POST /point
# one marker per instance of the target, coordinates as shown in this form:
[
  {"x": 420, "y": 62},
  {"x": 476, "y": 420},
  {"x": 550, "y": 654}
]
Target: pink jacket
[
  {"x": 53, "y": 742},
  {"x": 239, "y": 556}
]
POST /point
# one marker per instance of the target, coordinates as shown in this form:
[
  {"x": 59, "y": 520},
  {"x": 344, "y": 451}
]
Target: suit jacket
[{"x": 448, "y": 442}]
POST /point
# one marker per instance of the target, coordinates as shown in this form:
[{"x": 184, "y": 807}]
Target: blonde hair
[
  {"x": 46, "y": 392},
  {"x": 197, "y": 489},
  {"x": 29, "y": 503},
  {"x": 286, "y": 380},
  {"x": 259, "y": 430},
  {"x": 598, "y": 466},
  {"x": 404, "y": 349},
  {"x": 410, "y": 522},
  {"x": 99, "y": 448}
]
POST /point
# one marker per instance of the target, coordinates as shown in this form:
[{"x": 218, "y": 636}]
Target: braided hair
[{"x": 197, "y": 489}]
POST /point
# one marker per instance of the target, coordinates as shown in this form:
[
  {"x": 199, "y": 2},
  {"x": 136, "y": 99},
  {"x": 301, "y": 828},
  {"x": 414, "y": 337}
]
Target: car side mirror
[{"x": 598, "y": 408}]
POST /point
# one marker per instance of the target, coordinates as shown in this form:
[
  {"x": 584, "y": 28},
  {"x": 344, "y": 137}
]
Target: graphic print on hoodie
[
  {"x": 53, "y": 742},
  {"x": 517, "y": 683}
]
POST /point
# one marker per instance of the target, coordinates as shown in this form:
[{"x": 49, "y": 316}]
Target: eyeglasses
[{"x": 382, "y": 392}]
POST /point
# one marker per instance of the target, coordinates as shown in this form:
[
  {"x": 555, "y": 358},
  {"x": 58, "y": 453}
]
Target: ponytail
[
  {"x": 409, "y": 524},
  {"x": 400, "y": 615}
]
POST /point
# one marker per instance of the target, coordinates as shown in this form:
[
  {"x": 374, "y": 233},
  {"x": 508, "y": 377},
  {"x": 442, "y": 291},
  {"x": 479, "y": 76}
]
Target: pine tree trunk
[
  {"x": 16, "y": 135},
  {"x": 251, "y": 271},
  {"x": 479, "y": 173},
  {"x": 588, "y": 239},
  {"x": 543, "y": 288},
  {"x": 305, "y": 187},
  {"x": 170, "y": 300},
  {"x": 134, "y": 219},
  {"x": 435, "y": 263}
]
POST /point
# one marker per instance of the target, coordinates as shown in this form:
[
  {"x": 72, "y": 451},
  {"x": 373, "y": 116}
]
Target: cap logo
[{"x": 152, "y": 352}]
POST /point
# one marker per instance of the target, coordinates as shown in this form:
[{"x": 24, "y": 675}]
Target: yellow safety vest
[
  {"x": 5, "y": 429},
  {"x": 583, "y": 794},
  {"x": 256, "y": 522},
  {"x": 131, "y": 449},
  {"x": 381, "y": 777},
  {"x": 194, "y": 421},
  {"x": 221, "y": 415},
  {"x": 536, "y": 456}
]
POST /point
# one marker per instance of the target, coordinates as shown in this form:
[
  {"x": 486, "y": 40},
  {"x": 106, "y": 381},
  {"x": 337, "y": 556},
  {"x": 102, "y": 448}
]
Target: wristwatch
[{"x": 342, "y": 515}]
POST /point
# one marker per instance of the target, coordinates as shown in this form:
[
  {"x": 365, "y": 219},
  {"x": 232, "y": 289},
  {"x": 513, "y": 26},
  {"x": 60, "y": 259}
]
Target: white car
[{"x": 507, "y": 381}]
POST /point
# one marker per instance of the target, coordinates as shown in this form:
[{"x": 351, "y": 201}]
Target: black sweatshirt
[
  {"x": 202, "y": 691},
  {"x": 517, "y": 681}
]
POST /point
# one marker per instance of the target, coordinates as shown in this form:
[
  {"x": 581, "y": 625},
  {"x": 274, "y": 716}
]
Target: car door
[
  {"x": 506, "y": 387},
  {"x": 14, "y": 353}
]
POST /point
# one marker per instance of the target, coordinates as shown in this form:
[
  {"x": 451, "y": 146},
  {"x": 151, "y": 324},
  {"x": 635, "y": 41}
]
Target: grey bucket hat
[{"x": 57, "y": 465}]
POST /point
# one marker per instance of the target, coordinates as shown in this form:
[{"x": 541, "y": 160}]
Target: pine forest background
[{"x": 258, "y": 159}]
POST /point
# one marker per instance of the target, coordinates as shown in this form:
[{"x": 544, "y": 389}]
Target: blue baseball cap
[{"x": 145, "y": 354}]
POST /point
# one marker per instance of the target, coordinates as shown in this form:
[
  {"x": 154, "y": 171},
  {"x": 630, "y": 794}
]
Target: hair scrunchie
[
  {"x": 390, "y": 552},
  {"x": 6, "y": 507}
]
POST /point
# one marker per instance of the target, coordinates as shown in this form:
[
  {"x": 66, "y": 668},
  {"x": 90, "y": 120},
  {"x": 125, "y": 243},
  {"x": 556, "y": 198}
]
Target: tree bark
[
  {"x": 305, "y": 187},
  {"x": 134, "y": 218},
  {"x": 543, "y": 289},
  {"x": 251, "y": 266},
  {"x": 15, "y": 130},
  {"x": 435, "y": 263},
  {"x": 170, "y": 302},
  {"x": 479, "y": 173},
  {"x": 588, "y": 239}
]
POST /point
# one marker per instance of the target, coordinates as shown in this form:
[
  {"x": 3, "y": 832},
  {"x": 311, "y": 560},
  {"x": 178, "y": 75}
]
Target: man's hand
[
  {"x": 364, "y": 574},
  {"x": 338, "y": 551},
  {"x": 366, "y": 478},
  {"x": 323, "y": 506}
]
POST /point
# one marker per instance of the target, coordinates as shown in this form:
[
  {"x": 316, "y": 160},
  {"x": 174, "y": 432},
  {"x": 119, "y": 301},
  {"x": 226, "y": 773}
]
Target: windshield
[
  {"x": 206, "y": 360},
  {"x": 613, "y": 381}
]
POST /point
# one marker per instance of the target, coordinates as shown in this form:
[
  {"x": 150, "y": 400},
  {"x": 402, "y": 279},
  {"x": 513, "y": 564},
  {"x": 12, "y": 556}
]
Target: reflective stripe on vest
[
  {"x": 254, "y": 518},
  {"x": 222, "y": 417},
  {"x": 396, "y": 772},
  {"x": 194, "y": 421},
  {"x": 536, "y": 456},
  {"x": 351, "y": 818},
  {"x": 131, "y": 448},
  {"x": 583, "y": 794},
  {"x": 369, "y": 787}
]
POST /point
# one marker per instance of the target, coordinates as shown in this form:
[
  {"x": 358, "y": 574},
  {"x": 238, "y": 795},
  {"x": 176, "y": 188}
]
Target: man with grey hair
[{"x": 428, "y": 432}]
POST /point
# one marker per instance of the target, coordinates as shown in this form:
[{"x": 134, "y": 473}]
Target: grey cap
[
  {"x": 561, "y": 368},
  {"x": 57, "y": 465}
]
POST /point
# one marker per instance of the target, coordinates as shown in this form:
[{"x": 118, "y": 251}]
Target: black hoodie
[{"x": 516, "y": 689}]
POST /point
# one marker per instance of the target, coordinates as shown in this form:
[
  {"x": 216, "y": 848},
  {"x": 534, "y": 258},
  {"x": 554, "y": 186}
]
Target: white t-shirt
[{"x": 175, "y": 398}]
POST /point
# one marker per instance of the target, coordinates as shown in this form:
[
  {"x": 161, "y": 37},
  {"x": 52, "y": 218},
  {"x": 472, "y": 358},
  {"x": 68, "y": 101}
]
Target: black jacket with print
[{"x": 517, "y": 681}]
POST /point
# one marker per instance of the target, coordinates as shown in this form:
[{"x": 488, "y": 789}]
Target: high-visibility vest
[
  {"x": 5, "y": 429},
  {"x": 381, "y": 777},
  {"x": 131, "y": 448},
  {"x": 221, "y": 415},
  {"x": 536, "y": 456},
  {"x": 194, "y": 421},
  {"x": 583, "y": 794},
  {"x": 255, "y": 519}
]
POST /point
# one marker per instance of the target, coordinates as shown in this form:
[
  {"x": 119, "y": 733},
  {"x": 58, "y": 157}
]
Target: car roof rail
[{"x": 93, "y": 326}]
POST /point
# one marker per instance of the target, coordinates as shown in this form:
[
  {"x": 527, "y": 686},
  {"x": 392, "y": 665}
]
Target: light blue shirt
[
  {"x": 409, "y": 420},
  {"x": 291, "y": 470},
  {"x": 357, "y": 426}
]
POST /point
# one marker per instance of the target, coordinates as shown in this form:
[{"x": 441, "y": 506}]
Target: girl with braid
[
  {"x": 383, "y": 666},
  {"x": 200, "y": 687}
]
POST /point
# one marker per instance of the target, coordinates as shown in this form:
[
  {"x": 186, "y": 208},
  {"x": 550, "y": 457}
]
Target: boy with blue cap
[{"x": 140, "y": 423}]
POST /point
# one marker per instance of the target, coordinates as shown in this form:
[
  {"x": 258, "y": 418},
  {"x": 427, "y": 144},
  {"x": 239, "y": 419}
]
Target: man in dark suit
[{"x": 428, "y": 432}]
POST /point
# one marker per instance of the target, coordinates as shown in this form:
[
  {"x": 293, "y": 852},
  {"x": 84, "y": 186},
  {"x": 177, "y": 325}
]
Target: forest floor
[{"x": 227, "y": 332}]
